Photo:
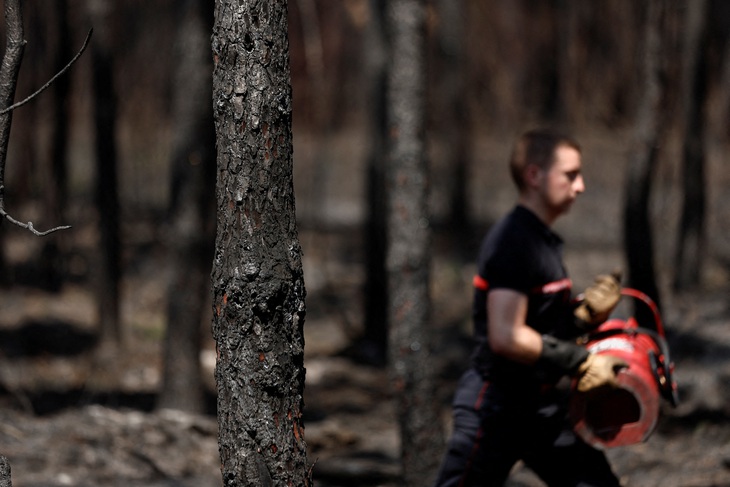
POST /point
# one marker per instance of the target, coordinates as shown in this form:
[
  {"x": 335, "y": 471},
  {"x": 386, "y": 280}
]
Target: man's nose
[{"x": 579, "y": 184}]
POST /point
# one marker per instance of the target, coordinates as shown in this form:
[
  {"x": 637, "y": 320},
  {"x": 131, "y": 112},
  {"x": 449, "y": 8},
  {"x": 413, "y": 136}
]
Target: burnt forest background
[{"x": 77, "y": 332}]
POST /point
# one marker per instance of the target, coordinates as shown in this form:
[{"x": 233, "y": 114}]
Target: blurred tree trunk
[
  {"x": 454, "y": 123},
  {"x": 258, "y": 285},
  {"x": 28, "y": 181},
  {"x": 191, "y": 212},
  {"x": 56, "y": 180},
  {"x": 409, "y": 237},
  {"x": 374, "y": 345},
  {"x": 595, "y": 66},
  {"x": 568, "y": 45},
  {"x": 5, "y": 279},
  {"x": 314, "y": 54},
  {"x": 58, "y": 195},
  {"x": 649, "y": 129},
  {"x": 108, "y": 268},
  {"x": 690, "y": 241},
  {"x": 724, "y": 94},
  {"x": 318, "y": 114}
]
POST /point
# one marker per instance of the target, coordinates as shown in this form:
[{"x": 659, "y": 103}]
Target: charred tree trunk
[
  {"x": 690, "y": 241},
  {"x": 650, "y": 125},
  {"x": 373, "y": 348},
  {"x": 108, "y": 268},
  {"x": 409, "y": 238},
  {"x": 12, "y": 59},
  {"x": 15, "y": 45},
  {"x": 5, "y": 476},
  {"x": 258, "y": 285},
  {"x": 191, "y": 212}
]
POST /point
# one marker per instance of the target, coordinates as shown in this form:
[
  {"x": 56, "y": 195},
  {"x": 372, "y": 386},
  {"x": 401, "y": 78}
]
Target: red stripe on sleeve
[
  {"x": 480, "y": 283},
  {"x": 554, "y": 287}
]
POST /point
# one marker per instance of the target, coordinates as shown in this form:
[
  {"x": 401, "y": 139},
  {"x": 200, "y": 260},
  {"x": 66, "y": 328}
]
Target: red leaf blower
[{"x": 627, "y": 414}]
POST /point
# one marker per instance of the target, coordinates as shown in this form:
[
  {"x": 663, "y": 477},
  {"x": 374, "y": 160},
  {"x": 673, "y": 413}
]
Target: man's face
[{"x": 563, "y": 182}]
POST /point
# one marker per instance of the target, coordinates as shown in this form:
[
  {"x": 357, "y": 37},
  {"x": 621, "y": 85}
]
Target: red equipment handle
[{"x": 634, "y": 293}]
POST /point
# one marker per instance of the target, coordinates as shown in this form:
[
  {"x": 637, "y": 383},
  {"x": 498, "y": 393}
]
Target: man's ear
[{"x": 533, "y": 175}]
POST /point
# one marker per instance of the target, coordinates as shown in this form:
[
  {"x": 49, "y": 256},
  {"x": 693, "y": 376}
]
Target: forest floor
[
  {"x": 60, "y": 425},
  {"x": 58, "y": 428}
]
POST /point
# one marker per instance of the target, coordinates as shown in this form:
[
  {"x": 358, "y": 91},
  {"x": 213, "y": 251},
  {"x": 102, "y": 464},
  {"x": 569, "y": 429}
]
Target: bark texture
[
  {"x": 5, "y": 476},
  {"x": 12, "y": 59},
  {"x": 15, "y": 45},
  {"x": 409, "y": 242},
  {"x": 258, "y": 286}
]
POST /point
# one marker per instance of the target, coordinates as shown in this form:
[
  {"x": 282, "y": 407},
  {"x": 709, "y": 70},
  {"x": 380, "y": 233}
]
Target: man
[{"x": 509, "y": 405}]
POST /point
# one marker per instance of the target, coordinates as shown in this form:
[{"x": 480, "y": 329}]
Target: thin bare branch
[
  {"x": 8, "y": 81},
  {"x": 30, "y": 226},
  {"x": 50, "y": 82}
]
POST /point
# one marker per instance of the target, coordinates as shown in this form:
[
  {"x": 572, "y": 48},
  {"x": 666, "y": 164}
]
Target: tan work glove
[
  {"x": 598, "y": 372},
  {"x": 599, "y": 301}
]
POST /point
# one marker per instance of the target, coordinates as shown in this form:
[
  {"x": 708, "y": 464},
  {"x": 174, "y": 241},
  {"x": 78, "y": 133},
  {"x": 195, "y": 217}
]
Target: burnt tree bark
[
  {"x": 649, "y": 128},
  {"x": 691, "y": 238},
  {"x": 15, "y": 44},
  {"x": 5, "y": 475},
  {"x": 108, "y": 268},
  {"x": 258, "y": 285},
  {"x": 409, "y": 239},
  {"x": 191, "y": 212}
]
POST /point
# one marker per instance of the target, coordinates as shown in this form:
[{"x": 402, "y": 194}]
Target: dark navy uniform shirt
[{"x": 522, "y": 254}]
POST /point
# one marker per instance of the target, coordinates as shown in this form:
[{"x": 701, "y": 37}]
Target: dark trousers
[{"x": 493, "y": 429}]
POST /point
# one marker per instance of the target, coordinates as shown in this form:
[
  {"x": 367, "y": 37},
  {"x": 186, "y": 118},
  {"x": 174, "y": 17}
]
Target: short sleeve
[{"x": 510, "y": 266}]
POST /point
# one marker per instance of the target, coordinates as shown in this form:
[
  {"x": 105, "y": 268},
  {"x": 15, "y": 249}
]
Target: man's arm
[
  {"x": 512, "y": 338},
  {"x": 509, "y": 335}
]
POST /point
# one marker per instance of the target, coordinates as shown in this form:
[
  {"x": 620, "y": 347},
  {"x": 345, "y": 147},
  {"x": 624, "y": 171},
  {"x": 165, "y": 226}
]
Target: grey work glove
[
  {"x": 599, "y": 372},
  {"x": 600, "y": 300}
]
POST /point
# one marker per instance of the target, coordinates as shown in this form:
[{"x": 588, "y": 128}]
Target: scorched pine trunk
[{"x": 258, "y": 286}]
